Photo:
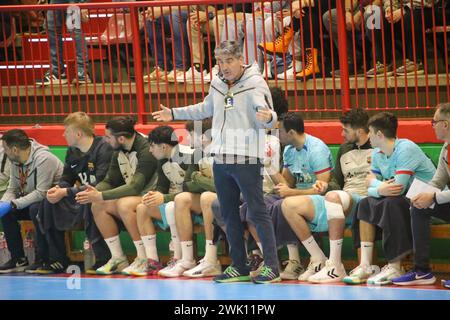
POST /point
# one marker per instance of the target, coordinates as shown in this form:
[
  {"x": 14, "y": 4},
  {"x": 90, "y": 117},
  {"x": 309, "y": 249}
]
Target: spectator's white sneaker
[
  {"x": 177, "y": 269},
  {"x": 312, "y": 269},
  {"x": 290, "y": 74},
  {"x": 330, "y": 273},
  {"x": 192, "y": 75},
  {"x": 204, "y": 269},
  {"x": 292, "y": 271},
  {"x": 361, "y": 273},
  {"x": 386, "y": 275},
  {"x": 175, "y": 76}
]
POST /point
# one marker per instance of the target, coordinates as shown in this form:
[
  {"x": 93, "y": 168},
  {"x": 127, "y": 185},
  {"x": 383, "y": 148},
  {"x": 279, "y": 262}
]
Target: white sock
[
  {"x": 150, "y": 246},
  {"x": 366, "y": 253},
  {"x": 187, "y": 250},
  {"x": 170, "y": 215},
  {"x": 115, "y": 247},
  {"x": 140, "y": 249},
  {"x": 293, "y": 252},
  {"x": 396, "y": 264},
  {"x": 210, "y": 252},
  {"x": 260, "y": 247},
  {"x": 335, "y": 251},
  {"x": 314, "y": 250}
]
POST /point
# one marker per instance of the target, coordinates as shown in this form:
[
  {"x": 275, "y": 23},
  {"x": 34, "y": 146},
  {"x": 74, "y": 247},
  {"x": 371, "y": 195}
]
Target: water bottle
[
  {"x": 28, "y": 245},
  {"x": 5, "y": 256},
  {"x": 88, "y": 254}
]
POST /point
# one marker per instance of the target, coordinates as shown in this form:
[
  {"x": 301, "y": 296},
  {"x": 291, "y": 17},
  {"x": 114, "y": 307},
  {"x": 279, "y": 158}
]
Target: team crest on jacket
[{"x": 369, "y": 159}]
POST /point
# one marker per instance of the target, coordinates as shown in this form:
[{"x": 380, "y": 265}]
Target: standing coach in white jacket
[{"x": 240, "y": 103}]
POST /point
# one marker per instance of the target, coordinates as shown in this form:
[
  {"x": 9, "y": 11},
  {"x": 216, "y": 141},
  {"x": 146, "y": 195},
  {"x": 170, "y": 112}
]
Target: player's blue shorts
[{"x": 164, "y": 225}]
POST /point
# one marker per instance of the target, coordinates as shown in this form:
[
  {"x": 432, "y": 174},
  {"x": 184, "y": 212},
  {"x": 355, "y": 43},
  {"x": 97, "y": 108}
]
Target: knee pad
[
  {"x": 345, "y": 199},
  {"x": 170, "y": 213},
  {"x": 334, "y": 210}
]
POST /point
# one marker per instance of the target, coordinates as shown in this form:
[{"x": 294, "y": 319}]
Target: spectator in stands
[
  {"x": 357, "y": 15},
  {"x": 405, "y": 19},
  {"x": 384, "y": 214},
  {"x": 307, "y": 18},
  {"x": 34, "y": 170},
  {"x": 168, "y": 22},
  {"x": 157, "y": 206},
  {"x": 237, "y": 166},
  {"x": 248, "y": 28},
  {"x": 131, "y": 173},
  {"x": 55, "y": 19},
  {"x": 306, "y": 160},
  {"x": 204, "y": 21},
  {"x": 430, "y": 204},
  {"x": 86, "y": 163},
  {"x": 334, "y": 211}
]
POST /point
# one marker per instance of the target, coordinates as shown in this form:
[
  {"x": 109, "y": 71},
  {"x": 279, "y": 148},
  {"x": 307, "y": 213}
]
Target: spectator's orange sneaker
[
  {"x": 281, "y": 44},
  {"x": 311, "y": 65}
]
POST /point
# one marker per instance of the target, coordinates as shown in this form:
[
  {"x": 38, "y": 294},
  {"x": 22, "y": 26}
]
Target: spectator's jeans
[
  {"x": 330, "y": 20},
  {"x": 11, "y": 227},
  {"x": 55, "y": 20},
  {"x": 161, "y": 28},
  {"x": 420, "y": 225},
  {"x": 230, "y": 181},
  {"x": 248, "y": 32}
]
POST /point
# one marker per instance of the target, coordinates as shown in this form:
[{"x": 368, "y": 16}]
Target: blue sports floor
[{"x": 24, "y": 287}]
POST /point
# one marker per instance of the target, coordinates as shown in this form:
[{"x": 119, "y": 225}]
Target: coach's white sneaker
[
  {"x": 204, "y": 269},
  {"x": 330, "y": 273}
]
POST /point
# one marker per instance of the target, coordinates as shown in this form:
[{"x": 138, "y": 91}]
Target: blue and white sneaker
[
  {"x": 446, "y": 284},
  {"x": 415, "y": 278},
  {"x": 267, "y": 275}
]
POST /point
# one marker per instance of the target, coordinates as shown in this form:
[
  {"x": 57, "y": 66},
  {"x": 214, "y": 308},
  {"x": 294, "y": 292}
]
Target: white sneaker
[
  {"x": 197, "y": 76},
  {"x": 177, "y": 269},
  {"x": 114, "y": 265},
  {"x": 170, "y": 264},
  {"x": 361, "y": 273},
  {"x": 136, "y": 266},
  {"x": 157, "y": 73},
  {"x": 204, "y": 269},
  {"x": 330, "y": 273},
  {"x": 290, "y": 74},
  {"x": 312, "y": 269},
  {"x": 386, "y": 275},
  {"x": 177, "y": 76},
  {"x": 292, "y": 270}
]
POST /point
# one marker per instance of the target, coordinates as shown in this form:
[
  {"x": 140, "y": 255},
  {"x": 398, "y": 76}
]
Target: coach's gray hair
[
  {"x": 444, "y": 109},
  {"x": 229, "y": 47}
]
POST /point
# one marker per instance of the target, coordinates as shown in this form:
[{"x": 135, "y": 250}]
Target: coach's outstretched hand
[{"x": 165, "y": 114}]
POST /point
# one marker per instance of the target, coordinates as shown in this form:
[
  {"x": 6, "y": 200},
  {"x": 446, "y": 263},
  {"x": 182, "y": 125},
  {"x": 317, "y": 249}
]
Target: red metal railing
[{"x": 121, "y": 44}]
